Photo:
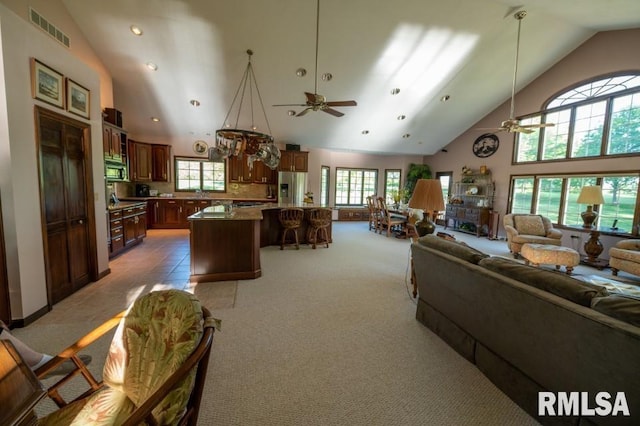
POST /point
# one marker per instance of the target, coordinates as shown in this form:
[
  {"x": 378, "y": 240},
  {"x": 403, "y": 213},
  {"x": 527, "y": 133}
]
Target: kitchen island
[{"x": 226, "y": 245}]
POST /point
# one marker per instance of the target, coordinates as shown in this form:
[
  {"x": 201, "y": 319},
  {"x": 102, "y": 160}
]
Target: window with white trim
[{"x": 194, "y": 174}]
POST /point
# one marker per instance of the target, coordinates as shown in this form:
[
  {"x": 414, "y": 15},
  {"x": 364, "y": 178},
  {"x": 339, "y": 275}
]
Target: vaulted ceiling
[{"x": 428, "y": 49}]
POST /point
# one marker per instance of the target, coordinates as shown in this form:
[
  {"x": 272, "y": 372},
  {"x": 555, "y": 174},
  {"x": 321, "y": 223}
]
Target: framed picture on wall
[
  {"x": 77, "y": 99},
  {"x": 47, "y": 84}
]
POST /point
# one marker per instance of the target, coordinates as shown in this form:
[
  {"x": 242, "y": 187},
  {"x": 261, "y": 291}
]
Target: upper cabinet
[
  {"x": 294, "y": 161},
  {"x": 160, "y": 166},
  {"x": 140, "y": 161},
  {"x": 239, "y": 171},
  {"x": 114, "y": 143}
]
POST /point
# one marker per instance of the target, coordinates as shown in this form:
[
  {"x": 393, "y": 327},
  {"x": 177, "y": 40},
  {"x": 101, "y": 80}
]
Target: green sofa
[{"x": 528, "y": 329}]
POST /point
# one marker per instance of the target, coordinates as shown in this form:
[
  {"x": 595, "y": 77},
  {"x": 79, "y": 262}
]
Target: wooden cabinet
[
  {"x": 263, "y": 174},
  {"x": 114, "y": 143},
  {"x": 127, "y": 227},
  {"x": 172, "y": 213},
  {"x": 140, "y": 161},
  {"x": 470, "y": 204},
  {"x": 294, "y": 161},
  {"x": 160, "y": 166},
  {"x": 353, "y": 214},
  {"x": 239, "y": 169}
]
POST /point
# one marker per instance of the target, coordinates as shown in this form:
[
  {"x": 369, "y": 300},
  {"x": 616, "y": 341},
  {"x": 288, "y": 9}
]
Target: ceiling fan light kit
[
  {"x": 235, "y": 141},
  {"x": 315, "y": 101}
]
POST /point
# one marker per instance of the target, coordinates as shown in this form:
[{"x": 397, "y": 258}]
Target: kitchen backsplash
[{"x": 234, "y": 190}]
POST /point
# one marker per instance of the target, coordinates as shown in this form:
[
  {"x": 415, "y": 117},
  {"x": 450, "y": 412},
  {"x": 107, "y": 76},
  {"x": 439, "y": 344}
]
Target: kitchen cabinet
[
  {"x": 114, "y": 143},
  {"x": 140, "y": 161},
  {"x": 264, "y": 174},
  {"x": 127, "y": 226},
  {"x": 239, "y": 171},
  {"x": 160, "y": 166},
  {"x": 294, "y": 161},
  {"x": 173, "y": 213}
]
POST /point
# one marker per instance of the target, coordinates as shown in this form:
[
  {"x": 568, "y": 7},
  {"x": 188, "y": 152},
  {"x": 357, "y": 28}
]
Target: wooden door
[
  {"x": 66, "y": 203},
  {"x": 5, "y": 307}
]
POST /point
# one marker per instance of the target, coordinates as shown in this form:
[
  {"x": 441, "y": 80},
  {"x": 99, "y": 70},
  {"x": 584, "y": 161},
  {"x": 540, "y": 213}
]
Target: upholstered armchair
[
  {"x": 154, "y": 372},
  {"x": 625, "y": 256},
  {"x": 529, "y": 228}
]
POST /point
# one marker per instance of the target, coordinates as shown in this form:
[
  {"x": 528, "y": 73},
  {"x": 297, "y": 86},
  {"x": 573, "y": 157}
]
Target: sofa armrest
[
  {"x": 628, "y": 245},
  {"x": 555, "y": 233},
  {"x": 511, "y": 230}
]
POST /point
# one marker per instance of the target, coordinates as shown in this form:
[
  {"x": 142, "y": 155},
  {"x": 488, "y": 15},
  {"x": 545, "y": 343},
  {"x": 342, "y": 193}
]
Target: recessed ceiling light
[
  {"x": 152, "y": 66},
  {"x": 195, "y": 102},
  {"x": 365, "y": 132},
  {"x": 327, "y": 76},
  {"x": 291, "y": 113},
  {"x": 402, "y": 117},
  {"x": 395, "y": 91},
  {"x": 136, "y": 30},
  {"x": 445, "y": 98},
  {"x": 155, "y": 119},
  {"x": 406, "y": 136},
  {"x": 301, "y": 72}
]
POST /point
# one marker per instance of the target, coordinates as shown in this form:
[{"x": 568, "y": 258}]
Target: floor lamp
[{"x": 427, "y": 196}]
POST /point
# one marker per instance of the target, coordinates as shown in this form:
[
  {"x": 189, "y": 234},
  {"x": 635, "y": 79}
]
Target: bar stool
[
  {"x": 290, "y": 219},
  {"x": 319, "y": 221}
]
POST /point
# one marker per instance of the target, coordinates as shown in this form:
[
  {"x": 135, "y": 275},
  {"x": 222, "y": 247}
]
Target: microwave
[{"x": 116, "y": 172}]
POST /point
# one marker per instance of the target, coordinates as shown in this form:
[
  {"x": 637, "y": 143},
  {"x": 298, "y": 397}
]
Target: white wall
[{"x": 19, "y": 184}]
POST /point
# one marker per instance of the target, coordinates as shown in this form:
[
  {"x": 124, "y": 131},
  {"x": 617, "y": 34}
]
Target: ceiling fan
[
  {"x": 512, "y": 125},
  {"x": 315, "y": 101}
]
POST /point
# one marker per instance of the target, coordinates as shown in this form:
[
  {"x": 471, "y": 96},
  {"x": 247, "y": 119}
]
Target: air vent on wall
[{"x": 46, "y": 26}]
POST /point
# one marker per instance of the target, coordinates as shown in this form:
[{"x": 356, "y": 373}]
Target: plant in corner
[{"x": 415, "y": 172}]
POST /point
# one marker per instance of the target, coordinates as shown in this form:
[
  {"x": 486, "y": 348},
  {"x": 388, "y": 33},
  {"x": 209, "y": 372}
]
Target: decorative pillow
[
  {"x": 454, "y": 248},
  {"x": 559, "y": 284},
  {"x": 620, "y": 306},
  {"x": 529, "y": 224}
]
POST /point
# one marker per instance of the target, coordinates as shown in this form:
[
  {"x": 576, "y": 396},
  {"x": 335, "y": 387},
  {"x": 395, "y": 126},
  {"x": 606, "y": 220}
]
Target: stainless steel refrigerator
[{"x": 292, "y": 187}]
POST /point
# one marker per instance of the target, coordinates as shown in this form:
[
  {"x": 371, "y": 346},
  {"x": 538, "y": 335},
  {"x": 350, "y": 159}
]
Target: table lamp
[
  {"x": 590, "y": 195},
  {"x": 427, "y": 196}
]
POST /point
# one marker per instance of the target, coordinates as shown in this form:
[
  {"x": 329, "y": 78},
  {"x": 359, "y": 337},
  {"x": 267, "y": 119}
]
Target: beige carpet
[{"x": 329, "y": 337}]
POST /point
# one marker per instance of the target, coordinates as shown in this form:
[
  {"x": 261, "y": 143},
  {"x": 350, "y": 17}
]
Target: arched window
[{"x": 598, "y": 118}]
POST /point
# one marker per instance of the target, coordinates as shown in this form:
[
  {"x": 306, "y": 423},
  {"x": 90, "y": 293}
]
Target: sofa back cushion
[
  {"x": 454, "y": 248},
  {"x": 529, "y": 224},
  {"x": 553, "y": 282},
  {"x": 624, "y": 307}
]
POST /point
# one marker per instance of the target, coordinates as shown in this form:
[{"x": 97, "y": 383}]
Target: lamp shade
[
  {"x": 427, "y": 195},
  {"x": 590, "y": 195}
]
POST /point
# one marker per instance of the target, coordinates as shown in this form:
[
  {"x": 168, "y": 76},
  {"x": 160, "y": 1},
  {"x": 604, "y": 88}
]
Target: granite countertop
[
  {"x": 123, "y": 205},
  {"x": 244, "y": 213},
  {"x": 257, "y": 200}
]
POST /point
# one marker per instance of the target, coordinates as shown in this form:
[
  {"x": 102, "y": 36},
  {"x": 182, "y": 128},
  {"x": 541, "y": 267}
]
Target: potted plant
[{"x": 415, "y": 172}]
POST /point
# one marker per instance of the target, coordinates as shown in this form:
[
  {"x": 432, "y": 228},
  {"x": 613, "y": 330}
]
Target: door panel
[{"x": 65, "y": 185}]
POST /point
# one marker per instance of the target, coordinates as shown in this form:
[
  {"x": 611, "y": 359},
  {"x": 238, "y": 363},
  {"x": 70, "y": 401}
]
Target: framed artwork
[
  {"x": 77, "y": 99},
  {"x": 47, "y": 84}
]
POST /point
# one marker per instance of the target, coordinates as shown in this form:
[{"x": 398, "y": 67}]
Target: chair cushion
[
  {"x": 454, "y": 248},
  {"x": 624, "y": 307},
  {"x": 529, "y": 224},
  {"x": 559, "y": 284},
  {"x": 155, "y": 337}
]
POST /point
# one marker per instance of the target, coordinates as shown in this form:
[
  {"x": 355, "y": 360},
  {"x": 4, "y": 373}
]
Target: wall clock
[{"x": 486, "y": 145}]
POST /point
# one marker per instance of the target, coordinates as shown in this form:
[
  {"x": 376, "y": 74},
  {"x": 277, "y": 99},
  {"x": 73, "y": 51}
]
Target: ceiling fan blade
[
  {"x": 313, "y": 98},
  {"x": 299, "y": 105},
  {"x": 333, "y": 112},
  {"x": 522, "y": 130},
  {"x": 342, "y": 103},
  {"x": 303, "y": 112},
  {"x": 537, "y": 126}
]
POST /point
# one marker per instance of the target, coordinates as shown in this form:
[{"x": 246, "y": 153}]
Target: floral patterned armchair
[
  {"x": 154, "y": 372},
  {"x": 625, "y": 256},
  {"x": 529, "y": 228}
]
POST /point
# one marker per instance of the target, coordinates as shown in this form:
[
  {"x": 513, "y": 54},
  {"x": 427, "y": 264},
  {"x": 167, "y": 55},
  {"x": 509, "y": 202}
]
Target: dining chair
[
  {"x": 374, "y": 213},
  {"x": 390, "y": 221}
]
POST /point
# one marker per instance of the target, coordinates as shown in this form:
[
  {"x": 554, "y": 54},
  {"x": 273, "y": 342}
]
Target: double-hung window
[
  {"x": 195, "y": 174},
  {"x": 353, "y": 186}
]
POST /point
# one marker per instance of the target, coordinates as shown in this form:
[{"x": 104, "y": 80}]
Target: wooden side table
[{"x": 593, "y": 247}]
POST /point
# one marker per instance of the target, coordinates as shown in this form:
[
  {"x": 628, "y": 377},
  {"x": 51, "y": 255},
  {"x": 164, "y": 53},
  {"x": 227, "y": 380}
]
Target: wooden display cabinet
[{"x": 469, "y": 207}]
